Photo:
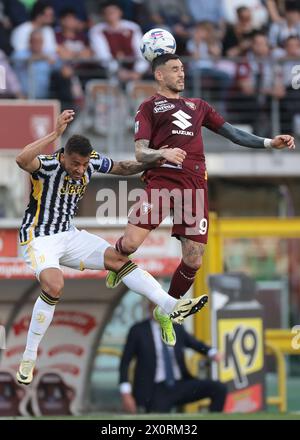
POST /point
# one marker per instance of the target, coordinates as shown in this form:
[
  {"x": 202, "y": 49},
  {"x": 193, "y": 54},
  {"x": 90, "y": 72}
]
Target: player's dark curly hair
[
  {"x": 78, "y": 144},
  {"x": 163, "y": 59}
]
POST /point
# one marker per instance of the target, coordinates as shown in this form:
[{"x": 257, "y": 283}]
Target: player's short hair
[
  {"x": 163, "y": 59},
  {"x": 78, "y": 144}
]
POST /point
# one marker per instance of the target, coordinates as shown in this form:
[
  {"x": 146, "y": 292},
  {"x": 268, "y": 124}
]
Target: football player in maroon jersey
[{"x": 168, "y": 127}]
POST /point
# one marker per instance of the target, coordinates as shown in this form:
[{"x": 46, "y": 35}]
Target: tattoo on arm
[
  {"x": 127, "y": 167},
  {"x": 241, "y": 137},
  {"x": 145, "y": 154}
]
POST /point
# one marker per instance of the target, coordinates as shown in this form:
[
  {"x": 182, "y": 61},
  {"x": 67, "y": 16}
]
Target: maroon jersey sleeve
[
  {"x": 212, "y": 120},
  {"x": 143, "y": 122}
]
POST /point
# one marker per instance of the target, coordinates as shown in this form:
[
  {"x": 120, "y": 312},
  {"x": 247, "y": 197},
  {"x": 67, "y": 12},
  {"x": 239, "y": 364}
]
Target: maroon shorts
[{"x": 176, "y": 194}]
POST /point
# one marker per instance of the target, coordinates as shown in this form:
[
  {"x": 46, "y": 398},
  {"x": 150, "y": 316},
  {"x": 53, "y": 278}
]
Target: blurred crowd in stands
[{"x": 234, "y": 50}]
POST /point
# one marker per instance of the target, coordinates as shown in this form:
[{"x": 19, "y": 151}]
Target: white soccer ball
[{"x": 157, "y": 42}]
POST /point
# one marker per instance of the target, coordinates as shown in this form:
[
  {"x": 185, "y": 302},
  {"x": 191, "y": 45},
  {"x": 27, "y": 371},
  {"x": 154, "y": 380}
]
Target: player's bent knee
[
  {"x": 129, "y": 248},
  {"x": 53, "y": 286},
  {"x": 113, "y": 260}
]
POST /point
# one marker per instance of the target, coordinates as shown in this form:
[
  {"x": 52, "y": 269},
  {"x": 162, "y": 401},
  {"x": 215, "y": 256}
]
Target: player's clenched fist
[
  {"x": 63, "y": 120},
  {"x": 173, "y": 155}
]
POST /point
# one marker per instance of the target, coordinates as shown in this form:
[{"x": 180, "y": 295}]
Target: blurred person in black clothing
[{"x": 161, "y": 378}]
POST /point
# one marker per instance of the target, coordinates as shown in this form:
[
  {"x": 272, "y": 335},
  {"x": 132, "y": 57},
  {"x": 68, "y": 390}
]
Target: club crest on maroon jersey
[{"x": 191, "y": 105}]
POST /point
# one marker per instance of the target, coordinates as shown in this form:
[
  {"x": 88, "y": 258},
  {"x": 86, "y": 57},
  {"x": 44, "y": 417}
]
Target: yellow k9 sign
[{"x": 241, "y": 341}]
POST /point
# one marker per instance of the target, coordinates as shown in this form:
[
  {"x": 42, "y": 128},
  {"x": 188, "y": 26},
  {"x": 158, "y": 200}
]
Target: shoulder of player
[
  {"x": 201, "y": 104},
  {"x": 147, "y": 105},
  {"x": 195, "y": 104},
  {"x": 95, "y": 157},
  {"x": 194, "y": 101},
  {"x": 149, "y": 101},
  {"x": 49, "y": 159}
]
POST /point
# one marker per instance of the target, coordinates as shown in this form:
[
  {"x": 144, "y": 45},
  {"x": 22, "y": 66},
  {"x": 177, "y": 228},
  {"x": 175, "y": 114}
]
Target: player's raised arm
[
  {"x": 245, "y": 139},
  {"x": 27, "y": 159},
  {"x": 147, "y": 155}
]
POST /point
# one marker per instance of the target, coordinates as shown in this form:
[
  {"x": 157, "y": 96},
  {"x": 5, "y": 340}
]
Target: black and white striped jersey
[{"x": 54, "y": 195}]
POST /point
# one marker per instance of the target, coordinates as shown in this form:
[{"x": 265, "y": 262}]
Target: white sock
[
  {"x": 143, "y": 283},
  {"x": 41, "y": 318}
]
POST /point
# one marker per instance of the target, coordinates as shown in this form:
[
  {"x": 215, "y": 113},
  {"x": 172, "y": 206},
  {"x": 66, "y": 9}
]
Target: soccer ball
[{"x": 157, "y": 42}]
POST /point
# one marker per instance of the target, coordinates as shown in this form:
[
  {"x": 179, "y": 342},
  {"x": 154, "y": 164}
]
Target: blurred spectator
[
  {"x": 114, "y": 40},
  {"x": 205, "y": 49},
  {"x": 4, "y": 39},
  {"x": 34, "y": 67},
  {"x": 79, "y": 7},
  {"x": 290, "y": 103},
  {"x": 12, "y": 13},
  {"x": 128, "y": 8},
  {"x": 42, "y": 17},
  {"x": 137, "y": 11},
  {"x": 259, "y": 11},
  {"x": 12, "y": 85},
  {"x": 172, "y": 15},
  {"x": 5, "y": 26},
  {"x": 15, "y": 12},
  {"x": 65, "y": 86},
  {"x": 161, "y": 379},
  {"x": 237, "y": 39},
  {"x": 257, "y": 82},
  {"x": 287, "y": 27},
  {"x": 203, "y": 10},
  {"x": 72, "y": 44},
  {"x": 277, "y": 8},
  {"x": 273, "y": 10}
]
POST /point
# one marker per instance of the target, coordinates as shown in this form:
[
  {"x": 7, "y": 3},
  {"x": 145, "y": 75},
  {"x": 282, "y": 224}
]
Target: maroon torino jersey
[{"x": 177, "y": 123}]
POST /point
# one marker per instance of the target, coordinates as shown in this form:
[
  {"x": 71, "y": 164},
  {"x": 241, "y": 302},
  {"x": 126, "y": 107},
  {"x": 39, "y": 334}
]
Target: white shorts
[{"x": 76, "y": 249}]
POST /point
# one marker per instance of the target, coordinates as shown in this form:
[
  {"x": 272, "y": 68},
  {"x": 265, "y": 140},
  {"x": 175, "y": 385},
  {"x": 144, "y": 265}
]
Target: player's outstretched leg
[
  {"x": 143, "y": 283},
  {"x": 42, "y": 314}
]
